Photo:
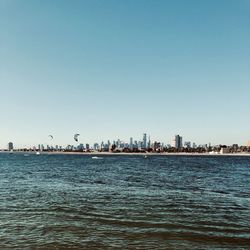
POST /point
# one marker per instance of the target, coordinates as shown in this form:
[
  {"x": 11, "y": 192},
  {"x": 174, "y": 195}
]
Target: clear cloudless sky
[{"x": 116, "y": 69}]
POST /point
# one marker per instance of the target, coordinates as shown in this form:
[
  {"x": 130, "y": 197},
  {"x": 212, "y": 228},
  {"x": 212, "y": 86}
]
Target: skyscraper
[
  {"x": 177, "y": 141},
  {"x": 131, "y": 143},
  {"x": 149, "y": 142},
  {"x": 144, "y": 140},
  {"x": 10, "y": 146}
]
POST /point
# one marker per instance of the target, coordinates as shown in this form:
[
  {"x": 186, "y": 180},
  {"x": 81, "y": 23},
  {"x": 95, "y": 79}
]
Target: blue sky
[{"x": 115, "y": 69}]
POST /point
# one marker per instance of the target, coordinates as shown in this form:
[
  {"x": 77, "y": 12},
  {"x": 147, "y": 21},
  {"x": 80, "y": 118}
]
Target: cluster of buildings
[
  {"x": 116, "y": 145},
  {"x": 143, "y": 145}
]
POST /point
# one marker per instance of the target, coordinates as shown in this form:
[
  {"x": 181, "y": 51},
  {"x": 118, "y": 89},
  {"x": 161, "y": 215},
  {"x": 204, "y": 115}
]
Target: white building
[{"x": 177, "y": 141}]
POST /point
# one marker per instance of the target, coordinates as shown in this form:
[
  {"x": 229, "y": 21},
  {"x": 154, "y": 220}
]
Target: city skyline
[
  {"x": 110, "y": 69},
  {"x": 145, "y": 142}
]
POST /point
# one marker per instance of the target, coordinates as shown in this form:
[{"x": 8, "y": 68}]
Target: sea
[{"x": 124, "y": 202}]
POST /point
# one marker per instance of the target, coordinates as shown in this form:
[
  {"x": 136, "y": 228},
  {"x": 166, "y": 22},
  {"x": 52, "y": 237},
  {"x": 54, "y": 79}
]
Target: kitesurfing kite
[
  {"x": 76, "y": 137},
  {"x": 51, "y": 136}
]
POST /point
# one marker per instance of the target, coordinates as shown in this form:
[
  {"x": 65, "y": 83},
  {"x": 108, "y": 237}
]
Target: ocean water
[{"x": 124, "y": 202}]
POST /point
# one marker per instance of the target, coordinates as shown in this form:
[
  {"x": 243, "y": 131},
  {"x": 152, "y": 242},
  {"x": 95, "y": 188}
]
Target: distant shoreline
[{"x": 124, "y": 154}]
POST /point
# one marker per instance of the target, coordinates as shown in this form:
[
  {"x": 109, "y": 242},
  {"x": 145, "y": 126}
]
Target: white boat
[
  {"x": 37, "y": 153},
  {"x": 96, "y": 157}
]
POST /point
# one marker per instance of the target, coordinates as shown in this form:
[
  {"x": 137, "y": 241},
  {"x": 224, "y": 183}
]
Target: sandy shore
[
  {"x": 148, "y": 154},
  {"x": 127, "y": 154}
]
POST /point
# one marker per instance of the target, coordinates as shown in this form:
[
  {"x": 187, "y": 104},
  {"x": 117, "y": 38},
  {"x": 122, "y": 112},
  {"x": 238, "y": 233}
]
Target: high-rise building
[
  {"x": 248, "y": 144},
  {"x": 180, "y": 142},
  {"x": 149, "y": 142},
  {"x": 10, "y": 146},
  {"x": 96, "y": 146},
  {"x": 102, "y": 145},
  {"x": 118, "y": 144},
  {"x": 156, "y": 146},
  {"x": 144, "y": 141},
  {"x": 177, "y": 141},
  {"x": 131, "y": 143}
]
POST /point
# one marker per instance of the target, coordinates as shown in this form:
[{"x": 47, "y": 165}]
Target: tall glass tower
[
  {"x": 144, "y": 140},
  {"x": 177, "y": 141}
]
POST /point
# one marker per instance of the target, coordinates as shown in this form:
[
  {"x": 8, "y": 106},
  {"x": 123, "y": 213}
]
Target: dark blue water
[{"x": 124, "y": 202}]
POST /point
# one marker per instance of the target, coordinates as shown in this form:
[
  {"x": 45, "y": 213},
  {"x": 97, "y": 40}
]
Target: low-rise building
[{"x": 224, "y": 150}]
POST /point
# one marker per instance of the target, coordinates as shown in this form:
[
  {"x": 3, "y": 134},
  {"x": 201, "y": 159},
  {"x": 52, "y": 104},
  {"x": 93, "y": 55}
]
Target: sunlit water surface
[{"x": 124, "y": 202}]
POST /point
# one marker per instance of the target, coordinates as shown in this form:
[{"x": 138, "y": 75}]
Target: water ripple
[{"x": 74, "y": 202}]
